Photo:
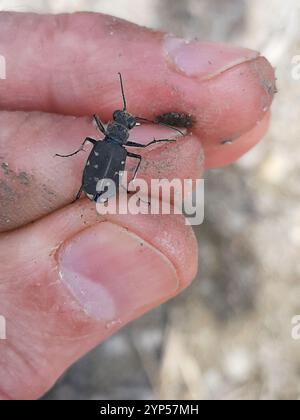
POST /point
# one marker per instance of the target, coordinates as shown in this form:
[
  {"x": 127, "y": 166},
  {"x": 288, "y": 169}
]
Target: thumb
[{"x": 72, "y": 279}]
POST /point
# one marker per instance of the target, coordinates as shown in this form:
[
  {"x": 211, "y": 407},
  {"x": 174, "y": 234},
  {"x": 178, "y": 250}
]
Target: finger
[
  {"x": 72, "y": 279},
  {"x": 33, "y": 182},
  {"x": 233, "y": 149},
  {"x": 72, "y": 63}
]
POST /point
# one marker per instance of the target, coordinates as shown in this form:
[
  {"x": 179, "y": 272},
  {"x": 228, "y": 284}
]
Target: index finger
[{"x": 68, "y": 64}]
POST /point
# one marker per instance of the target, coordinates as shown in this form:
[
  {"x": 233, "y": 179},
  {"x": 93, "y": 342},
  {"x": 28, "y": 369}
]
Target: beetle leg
[
  {"x": 133, "y": 144},
  {"x": 159, "y": 123},
  {"x": 99, "y": 124},
  {"x": 133, "y": 155},
  {"x": 132, "y": 193},
  {"x": 80, "y": 148},
  {"x": 78, "y": 194},
  {"x": 97, "y": 196},
  {"x": 129, "y": 192}
]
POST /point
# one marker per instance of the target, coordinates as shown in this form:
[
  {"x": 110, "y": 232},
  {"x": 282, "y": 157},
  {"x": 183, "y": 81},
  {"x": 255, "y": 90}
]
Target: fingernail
[
  {"x": 204, "y": 59},
  {"x": 114, "y": 274}
]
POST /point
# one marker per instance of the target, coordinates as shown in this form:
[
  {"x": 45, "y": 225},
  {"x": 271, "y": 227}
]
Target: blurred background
[{"x": 229, "y": 335}]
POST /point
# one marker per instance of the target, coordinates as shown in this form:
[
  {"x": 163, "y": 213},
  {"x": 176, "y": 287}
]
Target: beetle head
[{"x": 125, "y": 119}]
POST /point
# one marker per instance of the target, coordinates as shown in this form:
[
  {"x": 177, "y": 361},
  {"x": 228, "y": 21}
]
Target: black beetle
[{"x": 108, "y": 156}]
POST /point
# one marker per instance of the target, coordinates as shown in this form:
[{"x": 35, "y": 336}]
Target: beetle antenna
[
  {"x": 160, "y": 123},
  {"x": 123, "y": 94}
]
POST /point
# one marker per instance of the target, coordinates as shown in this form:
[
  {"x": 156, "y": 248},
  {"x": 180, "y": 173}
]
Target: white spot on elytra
[
  {"x": 96, "y": 153},
  {"x": 96, "y": 166}
]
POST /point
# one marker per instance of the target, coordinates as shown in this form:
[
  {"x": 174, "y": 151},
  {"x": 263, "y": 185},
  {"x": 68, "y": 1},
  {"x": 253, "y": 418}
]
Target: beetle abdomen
[{"x": 105, "y": 161}]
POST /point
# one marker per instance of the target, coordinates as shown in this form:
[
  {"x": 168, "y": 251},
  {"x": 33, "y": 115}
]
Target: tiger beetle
[{"x": 107, "y": 158}]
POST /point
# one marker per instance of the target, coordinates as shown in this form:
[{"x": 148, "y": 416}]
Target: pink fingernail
[
  {"x": 203, "y": 59},
  {"x": 114, "y": 274}
]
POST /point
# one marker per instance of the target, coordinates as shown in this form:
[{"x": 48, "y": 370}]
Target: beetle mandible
[{"x": 107, "y": 158}]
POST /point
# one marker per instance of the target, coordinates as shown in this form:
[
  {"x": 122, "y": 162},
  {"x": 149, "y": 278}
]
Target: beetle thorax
[{"x": 117, "y": 132}]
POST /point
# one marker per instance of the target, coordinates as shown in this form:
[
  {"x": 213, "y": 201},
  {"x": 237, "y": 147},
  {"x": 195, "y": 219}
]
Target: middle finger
[{"x": 33, "y": 182}]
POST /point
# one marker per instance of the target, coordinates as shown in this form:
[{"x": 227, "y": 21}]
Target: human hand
[{"x": 69, "y": 277}]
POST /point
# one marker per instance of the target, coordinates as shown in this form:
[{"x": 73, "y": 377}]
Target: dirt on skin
[{"x": 18, "y": 192}]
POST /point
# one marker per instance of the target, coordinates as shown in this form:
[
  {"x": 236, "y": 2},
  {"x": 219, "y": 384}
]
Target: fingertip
[{"x": 231, "y": 150}]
